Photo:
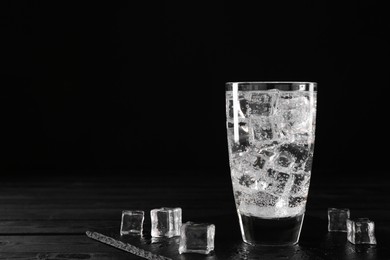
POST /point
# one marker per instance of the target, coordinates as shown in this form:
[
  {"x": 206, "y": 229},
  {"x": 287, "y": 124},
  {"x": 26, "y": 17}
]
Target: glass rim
[{"x": 269, "y": 85}]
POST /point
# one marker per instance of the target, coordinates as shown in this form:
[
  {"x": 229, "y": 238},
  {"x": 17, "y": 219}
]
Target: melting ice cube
[
  {"x": 337, "y": 220},
  {"x": 301, "y": 182},
  {"x": 293, "y": 153},
  {"x": 197, "y": 238},
  {"x": 166, "y": 222},
  {"x": 261, "y": 129},
  {"x": 296, "y": 201},
  {"x": 243, "y": 107},
  {"x": 132, "y": 222},
  {"x": 261, "y": 104},
  {"x": 277, "y": 181},
  {"x": 361, "y": 231},
  {"x": 243, "y": 137},
  {"x": 293, "y": 113}
]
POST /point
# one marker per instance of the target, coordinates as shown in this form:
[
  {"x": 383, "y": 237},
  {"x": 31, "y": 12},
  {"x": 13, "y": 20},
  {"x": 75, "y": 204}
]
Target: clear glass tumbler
[{"x": 271, "y": 129}]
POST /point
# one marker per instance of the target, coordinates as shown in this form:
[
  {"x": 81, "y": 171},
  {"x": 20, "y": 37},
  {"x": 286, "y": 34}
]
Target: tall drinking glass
[{"x": 271, "y": 127}]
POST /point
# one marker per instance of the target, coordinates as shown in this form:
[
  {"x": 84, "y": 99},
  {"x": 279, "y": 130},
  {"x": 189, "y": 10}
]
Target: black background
[{"x": 120, "y": 85}]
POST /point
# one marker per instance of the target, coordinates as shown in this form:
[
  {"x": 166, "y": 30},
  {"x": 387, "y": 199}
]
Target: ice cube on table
[
  {"x": 361, "y": 231},
  {"x": 196, "y": 238},
  {"x": 337, "y": 219},
  {"x": 132, "y": 222},
  {"x": 166, "y": 222}
]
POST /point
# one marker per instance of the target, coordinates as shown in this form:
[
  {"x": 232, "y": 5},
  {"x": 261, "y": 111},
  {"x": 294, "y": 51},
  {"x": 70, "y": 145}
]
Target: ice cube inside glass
[
  {"x": 271, "y": 130},
  {"x": 361, "y": 231},
  {"x": 166, "y": 222},
  {"x": 197, "y": 238},
  {"x": 132, "y": 222},
  {"x": 337, "y": 219}
]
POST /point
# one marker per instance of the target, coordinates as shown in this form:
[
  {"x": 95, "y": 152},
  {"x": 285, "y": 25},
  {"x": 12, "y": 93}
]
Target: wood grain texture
[
  {"x": 51, "y": 244},
  {"x": 47, "y": 218},
  {"x": 67, "y": 256}
]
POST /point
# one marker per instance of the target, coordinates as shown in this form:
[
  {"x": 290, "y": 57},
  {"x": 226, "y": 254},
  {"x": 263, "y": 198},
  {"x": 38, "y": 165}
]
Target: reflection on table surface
[{"x": 48, "y": 217}]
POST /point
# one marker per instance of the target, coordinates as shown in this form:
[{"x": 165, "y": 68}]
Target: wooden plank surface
[
  {"x": 46, "y": 218},
  {"x": 117, "y": 255}
]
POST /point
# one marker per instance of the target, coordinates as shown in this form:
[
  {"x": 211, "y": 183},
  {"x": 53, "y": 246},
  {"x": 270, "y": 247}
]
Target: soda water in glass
[{"x": 270, "y": 128}]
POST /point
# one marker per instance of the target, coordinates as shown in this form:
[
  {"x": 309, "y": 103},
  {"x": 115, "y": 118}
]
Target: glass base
[{"x": 271, "y": 232}]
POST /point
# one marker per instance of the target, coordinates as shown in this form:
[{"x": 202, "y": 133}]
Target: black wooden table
[{"x": 45, "y": 215}]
